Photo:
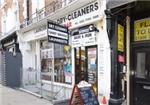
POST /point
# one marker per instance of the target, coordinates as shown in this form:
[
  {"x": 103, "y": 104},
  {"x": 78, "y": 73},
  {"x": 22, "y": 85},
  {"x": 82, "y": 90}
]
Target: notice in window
[{"x": 142, "y": 29}]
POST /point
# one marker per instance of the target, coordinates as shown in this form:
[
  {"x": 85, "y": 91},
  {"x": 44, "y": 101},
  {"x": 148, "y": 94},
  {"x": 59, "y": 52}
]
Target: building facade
[
  {"x": 86, "y": 57},
  {"x": 128, "y": 26},
  {"x": 11, "y": 16}
]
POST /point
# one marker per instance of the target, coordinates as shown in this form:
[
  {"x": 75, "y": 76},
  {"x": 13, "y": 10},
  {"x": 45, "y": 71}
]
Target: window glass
[
  {"x": 56, "y": 62},
  {"x": 143, "y": 65},
  {"x": 86, "y": 65},
  {"x": 140, "y": 68},
  {"x": 47, "y": 56},
  {"x": 92, "y": 67}
]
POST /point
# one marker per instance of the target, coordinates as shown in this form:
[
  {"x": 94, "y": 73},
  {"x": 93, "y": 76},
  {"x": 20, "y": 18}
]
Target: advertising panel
[
  {"x": 120, "y": 38},
  {"x": 142, "y": 29}
]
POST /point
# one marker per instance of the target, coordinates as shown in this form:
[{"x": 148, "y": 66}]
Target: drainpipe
[
  {"x": 116, "y": 97},
  {"x": 28, "y": 10}
]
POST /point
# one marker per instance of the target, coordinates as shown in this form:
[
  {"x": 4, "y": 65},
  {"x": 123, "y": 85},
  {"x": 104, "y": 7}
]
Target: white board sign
[
  {"x": 85, "y": 39},
  {"x": 84, "y": 15}
]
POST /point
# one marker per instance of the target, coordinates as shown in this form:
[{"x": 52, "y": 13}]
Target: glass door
[
  {"x": 86, "y": 65},
  {"x": 80, "y": 65},
  {"x": 92, "y": 66},
  {"x": 141, "y": 81}
]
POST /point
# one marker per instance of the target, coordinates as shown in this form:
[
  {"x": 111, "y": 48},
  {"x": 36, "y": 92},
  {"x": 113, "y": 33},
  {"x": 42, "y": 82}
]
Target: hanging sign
[
  {"x": 83, "y": 95},
  {"x": 57, "y": 33},
  {"x": 85, "y": 39},
  {"x": 120, "y": 38},
  {"x": 142, "y": 29}
]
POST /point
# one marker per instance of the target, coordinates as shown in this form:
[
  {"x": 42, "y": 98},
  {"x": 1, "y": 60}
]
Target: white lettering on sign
[
  {"x": 81, "y": 16},
  {"x": 61, "y": 41},
  {"x": 57, "y": 34},
  {"x": 85, "y": 39}
]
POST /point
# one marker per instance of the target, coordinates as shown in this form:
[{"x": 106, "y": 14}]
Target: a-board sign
[
  {"x": 57, "y": 33},
  {"x": 76, "y": 97},
  {"x": 83, "y": 96}
]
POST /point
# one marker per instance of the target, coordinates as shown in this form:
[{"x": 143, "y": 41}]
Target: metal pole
[
  {"x": 53, "y": 70},
  {"x": 128, "y": 58}
]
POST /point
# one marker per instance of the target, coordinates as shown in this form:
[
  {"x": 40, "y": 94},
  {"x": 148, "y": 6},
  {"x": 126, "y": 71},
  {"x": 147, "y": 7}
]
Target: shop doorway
[
  {"x": 86, "y": 65},
  {"x": 141, "y": 78}
]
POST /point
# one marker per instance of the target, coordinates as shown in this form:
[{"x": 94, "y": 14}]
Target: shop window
[
  {"x": 46, "y": 60},
  {"x": 62, "y": 64},
  {"x": 56, "y": 62}
]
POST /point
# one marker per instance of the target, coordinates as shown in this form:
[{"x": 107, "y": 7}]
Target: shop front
[
  {"x": 90, "y": 47},
  {"x": 85, "y": 57},
  {"x": 129, "y": 28},
  {"x": 64, "y": 62},
  {"x": 11, "y": 60},
  {"x": 84, "y": 42}
]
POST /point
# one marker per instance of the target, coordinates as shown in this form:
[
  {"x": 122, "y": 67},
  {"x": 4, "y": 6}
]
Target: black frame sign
[{"x": 57, "y": 33}]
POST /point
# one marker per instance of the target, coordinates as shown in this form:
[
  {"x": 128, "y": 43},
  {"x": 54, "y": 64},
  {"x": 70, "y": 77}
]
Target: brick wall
[
  {"x": 21, "y": 9},
  {"x": 47, "y": 2},
  {"x": 30, "y": 9},
  {"x": 52, "y": 5},
  {"x": 8, "y": 4}
]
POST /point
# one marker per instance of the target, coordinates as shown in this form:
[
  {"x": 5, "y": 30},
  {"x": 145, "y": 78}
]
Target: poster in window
[
  {"x": 142, "y": 29},
  {"x": 92, "y": 58},
  {"x": 67, "y": 64},
  {"x": 92, "y": 65},
  {"x": 120, "y": 38}
]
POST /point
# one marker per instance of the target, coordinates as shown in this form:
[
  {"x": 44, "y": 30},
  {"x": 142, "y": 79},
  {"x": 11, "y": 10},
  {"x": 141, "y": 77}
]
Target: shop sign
[
  {"x": 57, "y": 33},
  {"x": 81, "y": 16},
  {"x": 85, "y": 39},
  {"x": 142, "y": 29},
  {"x": 120, "y": 38}
]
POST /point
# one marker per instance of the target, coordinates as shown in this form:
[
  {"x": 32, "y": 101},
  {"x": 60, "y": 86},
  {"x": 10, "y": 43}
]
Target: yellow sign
[
  {"x": 120, "y": 38},
  {"x": 142, "y": 30}
]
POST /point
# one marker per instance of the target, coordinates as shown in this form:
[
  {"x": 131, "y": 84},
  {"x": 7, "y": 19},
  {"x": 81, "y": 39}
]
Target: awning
[
  {"x": 135, "y": 6},
  {"x": 117, "y": 3}
]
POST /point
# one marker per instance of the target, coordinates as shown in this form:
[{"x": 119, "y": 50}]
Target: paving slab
[{"x": 9, "y": 96}]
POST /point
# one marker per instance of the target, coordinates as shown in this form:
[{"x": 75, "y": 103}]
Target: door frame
[
  {"x": 86, "y": 54},
  {"x": 135, "y": 48}
]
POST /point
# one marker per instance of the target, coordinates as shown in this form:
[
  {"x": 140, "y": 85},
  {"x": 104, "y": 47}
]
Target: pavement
[{"x": 9, "y": 96}]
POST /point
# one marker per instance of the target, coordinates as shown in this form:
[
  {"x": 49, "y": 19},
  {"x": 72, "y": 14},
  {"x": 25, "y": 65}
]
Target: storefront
[
  {"x": 128, "y": 30},
  {"x": 11, "y": 60},
  {"x": 90, "y": 47},
  {"x": 84, "y": 43},
  {"x": 86, "y": 55}
]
